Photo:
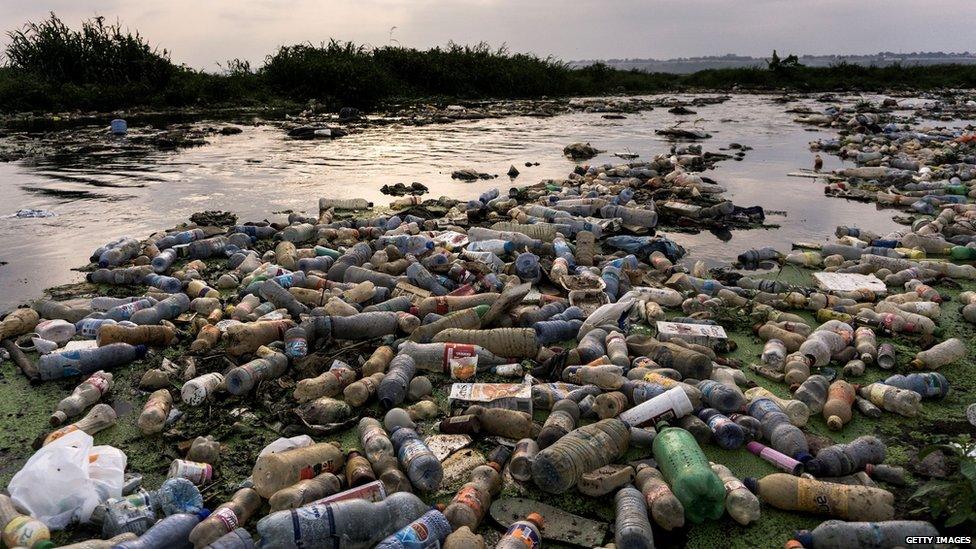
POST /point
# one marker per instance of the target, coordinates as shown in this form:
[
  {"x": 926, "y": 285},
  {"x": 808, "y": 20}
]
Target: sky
[{"x": 203, "y": 33}]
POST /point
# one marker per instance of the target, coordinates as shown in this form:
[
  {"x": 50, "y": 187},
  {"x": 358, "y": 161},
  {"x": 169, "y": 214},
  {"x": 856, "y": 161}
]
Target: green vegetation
[
  {"x": 50, "y": 67},
  {"x": 954, "y": 497}
]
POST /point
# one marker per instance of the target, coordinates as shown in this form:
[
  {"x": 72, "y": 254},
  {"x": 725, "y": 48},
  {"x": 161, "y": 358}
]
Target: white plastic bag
[{"x": 64, "y": 481}]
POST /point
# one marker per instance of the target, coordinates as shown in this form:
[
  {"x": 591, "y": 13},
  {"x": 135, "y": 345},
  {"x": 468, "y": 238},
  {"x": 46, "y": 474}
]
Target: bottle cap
[
  {"x": 804, "y": 538},
  {"x": 536, "y": 519},
  {"x": 835, "y": 423},
  {"x": 751, "y": 483}
]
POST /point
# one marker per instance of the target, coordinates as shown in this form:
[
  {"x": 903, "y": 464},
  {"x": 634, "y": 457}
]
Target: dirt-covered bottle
[
  {"x": 85, "y": 394},
  {"x": 741, "y": 504},
  {"x": 226, "y": 517},
  {"x": 846, "y": 502},
  {"x": 632, "y": 529}
]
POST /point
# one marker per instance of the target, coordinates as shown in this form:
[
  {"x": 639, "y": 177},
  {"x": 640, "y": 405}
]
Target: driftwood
[{"x": 20, "y": 359}]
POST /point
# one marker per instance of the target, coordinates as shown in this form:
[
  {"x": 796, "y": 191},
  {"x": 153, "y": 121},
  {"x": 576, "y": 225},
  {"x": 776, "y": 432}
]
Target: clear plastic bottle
[
  {"x": 87, "y": 361},
  {"x": 665, "y": 508},
  {"x": 99, "y": 418},
  {"x": 197, "y": 390},
  {"x": 813, "y": 393},
  {"x": 725, "y": 432},
  {"x": 838, "y": 534},
  {"x": 944, "y": 353},
  {"x": 471, "y": 502},
  {"x": 721, "y": 396},
  {"x": 892, "y": 399},
  {"x": 393, "y": 389},
  {"x": 632, "y": 529},
  {"x": 304, "y": 492},
  {"x": 562, "y": 419},
  {"x": 844, "y": 459},
  {"x": 685, "y": 467},
  {"x": 172, "y": 531},
  {"x": 351, "y": 523},
  {"x": 268, "y": 365},
  {"x": 927, "y": 384},
  {"x": 741, "y": 504},
  {"x": 238, "y": 538},
  {"x": 560, "y": 466},
  {"x": 777, "y": 429},
  {"x": 85, "y": 394},
  {"x": 422, "y": 466},
  {"x": 520, "y": 466},
  {"x": 154, "y": 414}
]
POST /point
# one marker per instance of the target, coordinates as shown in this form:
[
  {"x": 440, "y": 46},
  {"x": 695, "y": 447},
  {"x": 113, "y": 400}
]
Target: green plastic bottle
[
  {"x": 962, "y": 253},
  {"x": 686, "y": 469}
]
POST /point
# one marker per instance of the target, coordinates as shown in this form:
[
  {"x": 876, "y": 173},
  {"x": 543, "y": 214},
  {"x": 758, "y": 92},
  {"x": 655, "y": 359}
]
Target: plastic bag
[{"x": 64, "y": 481}]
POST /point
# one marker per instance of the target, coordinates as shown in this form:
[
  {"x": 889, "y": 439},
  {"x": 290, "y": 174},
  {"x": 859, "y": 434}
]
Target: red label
[{"x": 456, "y": 350}]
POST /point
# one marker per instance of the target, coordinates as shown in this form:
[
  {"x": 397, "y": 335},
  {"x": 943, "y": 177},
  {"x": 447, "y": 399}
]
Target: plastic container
[{"x": 686, "y": 469}]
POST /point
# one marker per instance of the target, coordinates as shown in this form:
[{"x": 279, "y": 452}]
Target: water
[{"x": 104, "y": 195}]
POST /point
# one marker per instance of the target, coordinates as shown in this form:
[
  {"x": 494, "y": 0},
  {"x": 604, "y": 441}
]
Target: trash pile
[{"x": 514, "y": 348}]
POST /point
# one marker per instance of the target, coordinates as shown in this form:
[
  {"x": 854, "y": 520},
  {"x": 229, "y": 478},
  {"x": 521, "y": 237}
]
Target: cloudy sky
[{"x": 204, "y": 32}]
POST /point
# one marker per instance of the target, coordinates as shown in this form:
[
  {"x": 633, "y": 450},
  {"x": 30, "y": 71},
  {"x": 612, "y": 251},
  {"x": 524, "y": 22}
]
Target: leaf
[
  {"x": 960, "y": 516},
  {"x": 946, "y": 448}
]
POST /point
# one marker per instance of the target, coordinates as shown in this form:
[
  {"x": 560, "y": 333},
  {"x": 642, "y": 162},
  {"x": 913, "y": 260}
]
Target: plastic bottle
[
  {"x": 927, "y": 384},
  {"x": 272, "y": 472},
  {"x": 85, "y": 394},
  {"x": 524, "y": 534},
  {"x": 505, "y": 423},
  {"x": 725, "y": 432},
  {"x": 671, "y": 404},
  {"x": 421, "y": 465},
  {"x": 152, "y": 336},
  {"x": 172, "y": 531},
  {"x": 813, "y": 393},
  {"x": 99, "y": 418},
  {"x": 154, "y": 414},
  {"x": 226, "y": 517},
  {"x": 464, "y": 538},
  {"x": 427, "y": 532},
  {"x": 664, "y": 507},
  {"x": 58, "y": 330},
  {"x": 838, "y": 534},
  {"x": 632, "y": 529},
  {"x": 741, "y": 504},
  {"x": 844, "y": 459},
  {"x": 892, "y": 399},
  {"x": 842, "y": 501},
  {"x": 560, "y": 466},
  {"x": 305, "y": 492},
  {"x": 21, "y": 530},
  {"x": 238, "y": 538},
  {"x": 524, "y": 454},
  {"x": 351, "y": 523},
  {"x": 269, "y": 365},
  {"x": 840, "y": 399},
  {"x": 797, "y": 411},
  {"x": 197, "y": 390},
  {"x": 721, "y": 397},
  {"x": 102, "y": 543},
  {"x": 358, "y": 470},
  {"x": 774, "y": 353},
  {"x": 777, "y": 429},
  {"x": 87, "y": 361},
  {"x": 562, "y": 419},
  {"x": 393, "y": 389},
  {"x": 167, "y": 309},
  {"x": 687, "y": 471},
  {"x": 204, "y": 449},
  {"x": 886, "y": 356},
  {"x": 940, "y": 355},
  {"x": 471, "y": 503},
  {"x": 690, "y": 363}
]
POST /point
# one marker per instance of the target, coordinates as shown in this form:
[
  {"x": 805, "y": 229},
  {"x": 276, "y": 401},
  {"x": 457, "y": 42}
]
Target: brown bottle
[
  {"x": 358, "y": 470},
  {"x": 272, "y": 472},
  {"x": 473, "y": 499},
  {"x": 837, "y": 410},
  {"x": 246, "y": 338},
  {"x": 154, "y": 414},
  {"x": 467, "y": 424},
  {"x": 305, "y": 492},
  {"x": 329, "y": 384},
  {"x": 609, "y": 404},
  {"x": 207, "y": 338},
  {"x": 504, "y": 423},
  {"x": 359, "y": 392},
  {"x": 378, "y": 361},
  {"x": 151, "y": 335},
  {"x": 226, "y": 517}
]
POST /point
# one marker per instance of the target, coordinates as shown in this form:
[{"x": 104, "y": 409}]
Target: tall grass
[{"x": 49, "y": 66}]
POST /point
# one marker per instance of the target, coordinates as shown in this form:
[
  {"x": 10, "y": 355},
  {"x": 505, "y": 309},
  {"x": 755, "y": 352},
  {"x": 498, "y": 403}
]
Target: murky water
[{"x": 102, "y": 196}]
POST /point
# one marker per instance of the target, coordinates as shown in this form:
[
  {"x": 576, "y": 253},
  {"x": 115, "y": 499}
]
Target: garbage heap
[{"x": 550, "y": 325}]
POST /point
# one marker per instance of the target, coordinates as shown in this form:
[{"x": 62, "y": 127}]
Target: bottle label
[
  {"x": 524, "y": 533},
  {"x": 469, "y": 497},
  {"x": 658, "y": 490},
  {"x": 815, "y": 496},
  {"x": 99, "y": 383},
  {"x": 454, "y": 351},
  {"x": 197, "y": 473},
  {"x": 410, "y": 450},
  {"x": 60, "y": 433},
  {"x": 227, "y": 517},
  {"x": 415, "y": 536},
  {"x": 316, "y": 469}
]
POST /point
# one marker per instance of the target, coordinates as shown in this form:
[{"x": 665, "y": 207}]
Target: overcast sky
[{"x": 204, "y": 32}]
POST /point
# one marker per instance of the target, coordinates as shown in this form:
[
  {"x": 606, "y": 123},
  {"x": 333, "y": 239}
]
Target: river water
[{"x": 260, "y": 171}]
